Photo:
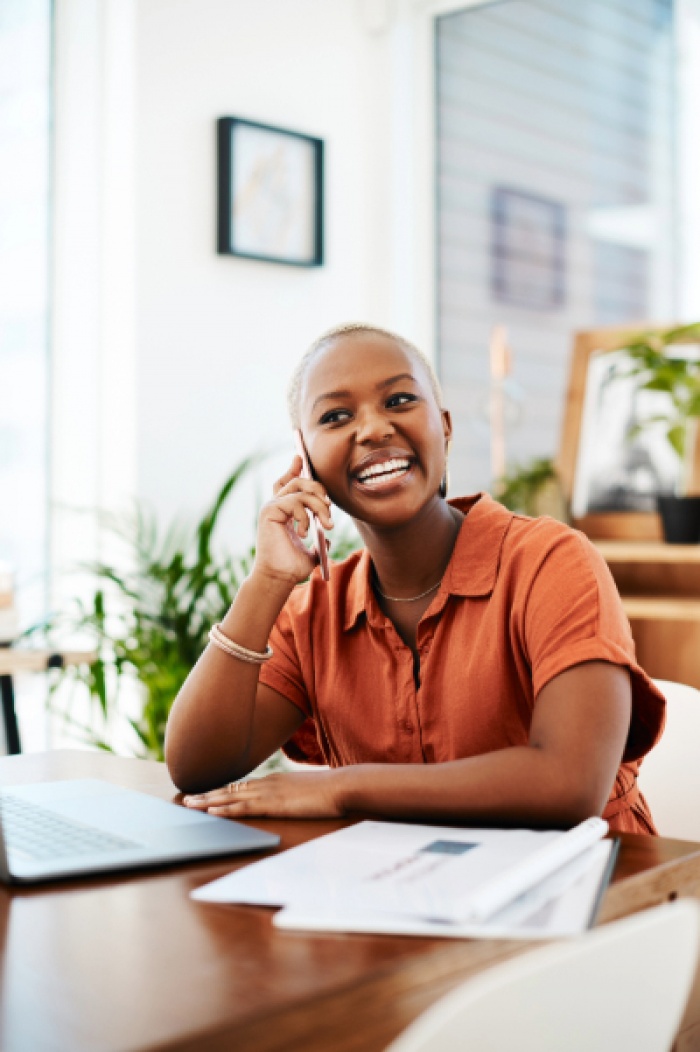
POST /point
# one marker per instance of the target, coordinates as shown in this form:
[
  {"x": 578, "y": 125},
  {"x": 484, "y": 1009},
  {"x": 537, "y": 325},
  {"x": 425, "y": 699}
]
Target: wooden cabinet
[{"x": 660, "y": 589}]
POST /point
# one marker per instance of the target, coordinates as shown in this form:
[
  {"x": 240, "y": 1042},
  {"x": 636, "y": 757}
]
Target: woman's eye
[
  {"x": 335, "y": 416},
  {"x": 401, "y": 399}
]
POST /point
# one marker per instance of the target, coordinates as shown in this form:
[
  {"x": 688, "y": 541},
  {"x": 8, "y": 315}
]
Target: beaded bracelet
[{"x": 217, "y": 637}]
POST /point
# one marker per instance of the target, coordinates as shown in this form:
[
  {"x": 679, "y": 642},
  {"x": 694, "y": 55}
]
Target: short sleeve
[
  {"x": 574, "y": 614},
  {"x": 303, "y": 746},
  {"x": 283, "y": 672}
]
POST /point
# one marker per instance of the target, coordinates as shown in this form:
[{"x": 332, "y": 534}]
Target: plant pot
[{"x": 680, "y": 517}]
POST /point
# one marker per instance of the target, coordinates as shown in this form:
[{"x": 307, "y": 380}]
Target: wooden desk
[{"x": 126, "y": 963}]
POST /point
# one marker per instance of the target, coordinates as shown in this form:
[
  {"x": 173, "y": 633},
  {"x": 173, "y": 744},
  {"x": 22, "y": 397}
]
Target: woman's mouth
[{"x": 383, "y": 473}]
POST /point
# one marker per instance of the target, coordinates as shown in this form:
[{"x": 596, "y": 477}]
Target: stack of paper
[{"x": 431, "y": 880}]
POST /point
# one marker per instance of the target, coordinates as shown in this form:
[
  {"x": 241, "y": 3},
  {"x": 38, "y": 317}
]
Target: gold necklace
[{"x": 409, "y": 599}]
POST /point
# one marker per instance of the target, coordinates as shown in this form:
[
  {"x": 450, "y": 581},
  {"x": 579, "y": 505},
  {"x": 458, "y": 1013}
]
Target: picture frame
[
  {"x": 618, "y": 523},
  {"x": 269, "y": 193},
  {"x": 528, "y": 249}
]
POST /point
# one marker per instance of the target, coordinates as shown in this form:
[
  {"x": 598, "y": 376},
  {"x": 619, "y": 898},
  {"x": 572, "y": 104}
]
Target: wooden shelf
[
  {"x": 661, "y": 608},
  {"x": 648, "y": 552},
  {"x": 660, "y": 589}
]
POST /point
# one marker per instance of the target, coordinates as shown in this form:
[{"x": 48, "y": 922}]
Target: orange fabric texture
[{"x": 521, "y": 601}]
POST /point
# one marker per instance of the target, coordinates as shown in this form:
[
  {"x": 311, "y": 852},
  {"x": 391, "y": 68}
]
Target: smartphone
[{"x": 318, "y": 537}]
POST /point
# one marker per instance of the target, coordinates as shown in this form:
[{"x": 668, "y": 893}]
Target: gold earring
[{"x": 445, "y": 484}]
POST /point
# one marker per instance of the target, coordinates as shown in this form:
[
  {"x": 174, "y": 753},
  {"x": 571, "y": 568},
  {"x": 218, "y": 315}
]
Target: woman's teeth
[{"x": 385, "y": 472}]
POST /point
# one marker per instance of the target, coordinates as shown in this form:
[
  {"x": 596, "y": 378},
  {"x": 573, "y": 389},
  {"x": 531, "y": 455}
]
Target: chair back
[
  {"x": 623, "y": 986},
  {"x": 669, "y": 776}
]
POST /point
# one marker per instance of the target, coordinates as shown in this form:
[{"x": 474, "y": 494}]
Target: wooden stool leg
[{"x": 9, "y": 715}]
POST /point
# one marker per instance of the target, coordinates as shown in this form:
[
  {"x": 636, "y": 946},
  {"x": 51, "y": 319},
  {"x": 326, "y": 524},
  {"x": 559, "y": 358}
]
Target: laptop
[{"x": 65, "y": 829}]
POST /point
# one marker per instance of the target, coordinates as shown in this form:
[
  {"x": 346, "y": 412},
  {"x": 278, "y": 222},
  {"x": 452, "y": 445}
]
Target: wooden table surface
[
  {"x": 14, "y": 660},
  {"x": 130, "y": 962}
]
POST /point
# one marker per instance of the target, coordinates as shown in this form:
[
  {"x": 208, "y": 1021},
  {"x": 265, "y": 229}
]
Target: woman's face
[{"x": 373, "y": 430}]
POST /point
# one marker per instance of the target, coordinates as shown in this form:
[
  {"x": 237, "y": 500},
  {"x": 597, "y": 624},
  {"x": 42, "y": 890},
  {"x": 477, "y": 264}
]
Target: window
[
  {"x": 556, "y": 199},
  {"x": 25, "y": 34}
]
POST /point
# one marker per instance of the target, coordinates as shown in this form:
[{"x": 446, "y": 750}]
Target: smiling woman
[{"x": 468, "y": 665}]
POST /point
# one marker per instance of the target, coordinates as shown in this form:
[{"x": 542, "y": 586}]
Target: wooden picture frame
[
  {"x": 613, "y": 525},
  {"x": 269, "y": 193}
]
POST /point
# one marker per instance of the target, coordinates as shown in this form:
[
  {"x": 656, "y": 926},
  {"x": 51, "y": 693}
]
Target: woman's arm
[
  {"x": 563, "y": 775},
  {"x": 223, "y": 723}
]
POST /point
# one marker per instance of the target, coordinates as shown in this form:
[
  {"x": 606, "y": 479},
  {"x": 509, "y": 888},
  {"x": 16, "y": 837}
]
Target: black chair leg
[{"x": 9, "y": 716}]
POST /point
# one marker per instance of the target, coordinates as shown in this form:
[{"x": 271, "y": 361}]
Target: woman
[{"x": 469, "y": 665}]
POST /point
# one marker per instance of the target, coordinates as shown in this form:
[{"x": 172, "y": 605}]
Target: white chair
[
  {"x": 622, "y": 986},
  {"x": 669, "y": 776}
]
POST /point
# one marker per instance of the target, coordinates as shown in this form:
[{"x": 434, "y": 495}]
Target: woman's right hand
[{"x": 284, "y": 524}]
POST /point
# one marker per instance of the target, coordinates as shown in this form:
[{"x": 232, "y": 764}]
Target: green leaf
[
  {"x": 647, "y": 359},
  {"x": 659, "y": 383},
  {"x": 207, "y": 524},
  {"x": 676, "y": 436},
  {"x": 518, "y": 489}
]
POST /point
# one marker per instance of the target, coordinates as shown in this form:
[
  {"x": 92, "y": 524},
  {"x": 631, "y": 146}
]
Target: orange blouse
[{"x": 521, "y": 601}]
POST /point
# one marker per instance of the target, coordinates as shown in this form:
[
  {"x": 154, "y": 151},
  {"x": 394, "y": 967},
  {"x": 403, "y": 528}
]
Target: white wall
[
  {"x": 171, "y": 362},
  {"x": 216, "y": 336}
]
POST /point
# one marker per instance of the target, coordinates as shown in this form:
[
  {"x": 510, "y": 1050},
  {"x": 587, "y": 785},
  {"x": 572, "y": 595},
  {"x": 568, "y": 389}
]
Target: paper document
[
  {"x": 563, "y": 905},
  {"x": 425, "y": 880}
]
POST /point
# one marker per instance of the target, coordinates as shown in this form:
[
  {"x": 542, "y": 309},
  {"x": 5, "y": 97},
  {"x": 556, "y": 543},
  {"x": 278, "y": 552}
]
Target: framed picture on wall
[
  {"x": 528, "y": 249},
  {"x": 270, "y": 193},
  {"x": 611, "y": 469}
]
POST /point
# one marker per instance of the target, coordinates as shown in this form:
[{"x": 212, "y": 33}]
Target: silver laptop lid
[{"x": 83, "y": 826}]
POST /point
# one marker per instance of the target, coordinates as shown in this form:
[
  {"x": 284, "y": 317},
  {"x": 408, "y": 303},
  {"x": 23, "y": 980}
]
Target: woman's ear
[{"x": 446, "y": 424}]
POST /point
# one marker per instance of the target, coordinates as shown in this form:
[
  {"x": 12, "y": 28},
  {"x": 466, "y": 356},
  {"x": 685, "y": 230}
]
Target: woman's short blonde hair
[{"x": 352, "y": 329}]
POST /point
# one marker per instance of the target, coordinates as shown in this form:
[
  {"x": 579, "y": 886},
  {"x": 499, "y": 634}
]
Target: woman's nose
[{"x": 373, "y": 426}]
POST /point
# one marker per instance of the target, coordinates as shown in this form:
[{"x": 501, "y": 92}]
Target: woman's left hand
[{"x": 294, "y": 795}]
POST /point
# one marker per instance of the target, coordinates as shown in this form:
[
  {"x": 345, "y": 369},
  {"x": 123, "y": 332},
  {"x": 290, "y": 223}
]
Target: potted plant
[
  {"x": 649, "y": 359},
  {"x": 149, "y": 623},
  {"x": 533, "y": 489}
]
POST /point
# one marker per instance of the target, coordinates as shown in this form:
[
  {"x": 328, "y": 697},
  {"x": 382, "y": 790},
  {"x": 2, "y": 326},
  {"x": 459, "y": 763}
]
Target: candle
[{"x": 500, "y": 363}]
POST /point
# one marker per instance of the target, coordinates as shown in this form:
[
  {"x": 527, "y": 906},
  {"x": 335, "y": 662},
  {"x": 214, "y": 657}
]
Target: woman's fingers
[
  {"x": 302, "y": 519},
  {"x": 285, "y": 523},
  {"x": 292, "y": 482},
  {"x": 294, "y": 472},
  {"x": 299, "y": 485},
  {"x": 214, "y": 798},
  {"x": 309, "y": 795},
  {"x": 296, "y": 505}
]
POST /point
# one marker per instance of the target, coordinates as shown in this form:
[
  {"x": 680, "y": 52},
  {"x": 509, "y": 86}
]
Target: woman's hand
[
  {"x": 284, "y": 524},
  {"x": 295, "y": 795}
]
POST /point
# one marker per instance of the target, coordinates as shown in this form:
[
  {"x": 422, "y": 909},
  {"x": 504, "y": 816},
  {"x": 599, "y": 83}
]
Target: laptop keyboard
[{"x": 33, "y": 832}]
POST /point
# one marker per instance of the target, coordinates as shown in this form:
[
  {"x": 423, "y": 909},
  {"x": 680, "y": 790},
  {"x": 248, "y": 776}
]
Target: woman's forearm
[
  {"x": 520, "y": 785},
  {"x": 566, "y": 773},
  {"x": 209, "y": 727},
  {"x": 212, "y": 727}
]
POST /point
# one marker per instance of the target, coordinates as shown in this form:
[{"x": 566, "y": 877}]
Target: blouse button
[{"x": 407, "y": 726}]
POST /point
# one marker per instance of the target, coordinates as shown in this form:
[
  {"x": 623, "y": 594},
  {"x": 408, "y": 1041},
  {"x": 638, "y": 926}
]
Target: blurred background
[{"x": 526, "y": 163}]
